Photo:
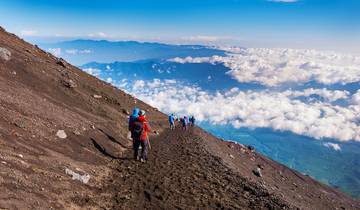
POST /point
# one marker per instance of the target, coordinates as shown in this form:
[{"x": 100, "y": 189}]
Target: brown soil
[{"x": 40, "y": 95}]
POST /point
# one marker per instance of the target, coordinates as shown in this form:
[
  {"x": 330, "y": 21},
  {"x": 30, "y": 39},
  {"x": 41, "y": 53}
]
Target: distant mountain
[
  {"x": 207, "y": 76},
  {"x": 79, "y": 52}
]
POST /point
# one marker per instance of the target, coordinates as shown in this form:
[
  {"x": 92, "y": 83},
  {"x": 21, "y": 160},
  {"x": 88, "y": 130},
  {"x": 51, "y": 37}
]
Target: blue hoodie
[
  {"x": 171, "y": 119},
  {"x": 133, "y": 117}
]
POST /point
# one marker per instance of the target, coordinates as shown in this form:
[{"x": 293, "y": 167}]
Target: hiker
[
  {"x": 192, "y": 121},
  {"x": 172, "y": 121},
  {"x": 184, "y": 122},
  {"x": 133, "y": 118},
  {"x": 140, "y": 131}
]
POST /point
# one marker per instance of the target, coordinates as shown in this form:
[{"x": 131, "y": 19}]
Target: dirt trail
[{"x": 182, "y": 174}]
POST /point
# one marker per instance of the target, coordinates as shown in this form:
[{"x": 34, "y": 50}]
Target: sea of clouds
[
  {"x": 257, "y": 109},
  {"x": 277, "y": 108},
  {"x": 274, "y": 67}
]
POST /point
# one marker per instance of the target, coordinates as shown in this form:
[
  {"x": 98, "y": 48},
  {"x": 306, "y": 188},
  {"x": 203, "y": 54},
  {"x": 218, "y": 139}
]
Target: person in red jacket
[{"x": 140, "y": 130}]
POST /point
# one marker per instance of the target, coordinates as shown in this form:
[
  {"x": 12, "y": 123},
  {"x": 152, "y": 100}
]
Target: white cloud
[
  {"x": 355, "y": 99},
  {"x": 328, "y": 95},
  {"x": 190, "y": 59},
  {"x": 109, "y": 80},
  {"x": 333, "y": 146},
  {"x": 85, "y": 51},
  {"x": 76, "y": 51},
  {"x": 98, "y": 35},
  {"x": 203, "y": 38},
  {"x": 72, "y": 51},
  {"x": 274, "y": 67},
  {"x": 55, "y": 51},
  {"x": 276, "y": 110},
  {"x": 93, "y": 71},
  {"x": 102, "y": 34},
  {"x": 28, "y": 32}
]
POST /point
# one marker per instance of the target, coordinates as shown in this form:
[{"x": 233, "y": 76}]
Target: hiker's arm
[{"x": 147, "y": 127}]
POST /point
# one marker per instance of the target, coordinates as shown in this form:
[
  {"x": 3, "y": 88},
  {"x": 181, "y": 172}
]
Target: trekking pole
[{"x": 147, "y": 138}]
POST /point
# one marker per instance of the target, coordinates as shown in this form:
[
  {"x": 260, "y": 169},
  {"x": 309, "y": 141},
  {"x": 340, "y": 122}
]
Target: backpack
[{"x": 137, "y": 129}]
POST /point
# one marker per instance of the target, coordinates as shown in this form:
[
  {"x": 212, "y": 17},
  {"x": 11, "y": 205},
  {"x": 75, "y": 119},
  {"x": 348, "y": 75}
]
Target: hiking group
[
  {"x": 139, "y": 129},
  {"x": 184, "y": 121}
]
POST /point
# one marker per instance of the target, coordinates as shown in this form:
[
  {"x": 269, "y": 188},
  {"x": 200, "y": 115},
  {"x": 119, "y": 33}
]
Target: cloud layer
[
  {"x": 320, "y": 113},
  {"x": 277, "y": 110},
  {"x": 274, "y": 67}
]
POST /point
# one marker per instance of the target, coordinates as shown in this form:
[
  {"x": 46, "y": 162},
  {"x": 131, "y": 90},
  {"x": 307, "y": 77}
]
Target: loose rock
[
  {"x": 5, "y": 54},
  {"x": 257, "y": 172},
  {"x": 125, "y": 111},
  {"x": 251, "y": 148},
  {"x": 97, "y": 96},
  {"x": 61, "y": 134},
  {"x": 19, "y": 124},
  {"x": 69, "y": 83},
  {"x": 60, "y": 62},
  {"x": 75, "y": 176}
]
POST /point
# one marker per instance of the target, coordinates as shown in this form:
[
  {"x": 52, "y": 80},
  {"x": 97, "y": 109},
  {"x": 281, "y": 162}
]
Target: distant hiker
[
  {"x": 184, "y": 123},
  {"x": 172, "y": 121},
  {"x": 192, "y": 121},
  {"x": 140, "y": 131}
]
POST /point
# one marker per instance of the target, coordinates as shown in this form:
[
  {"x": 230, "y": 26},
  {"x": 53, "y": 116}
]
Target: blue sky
[{"x": 320, "y": 24}]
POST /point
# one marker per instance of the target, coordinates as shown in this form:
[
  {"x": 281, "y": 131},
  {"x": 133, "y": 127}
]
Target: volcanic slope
[{"x": 58, "y": 123}]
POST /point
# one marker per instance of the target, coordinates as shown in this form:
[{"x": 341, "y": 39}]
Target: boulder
[{"x": 5, "y": 54}]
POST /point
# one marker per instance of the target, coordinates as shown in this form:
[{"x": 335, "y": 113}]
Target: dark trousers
[
  {"x": 136, "y": 145},
  {"x": 172, "y": 125}
]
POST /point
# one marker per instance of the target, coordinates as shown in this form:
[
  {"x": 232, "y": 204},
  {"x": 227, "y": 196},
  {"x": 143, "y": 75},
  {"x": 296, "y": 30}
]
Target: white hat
[{"x": 142, "y": 113}]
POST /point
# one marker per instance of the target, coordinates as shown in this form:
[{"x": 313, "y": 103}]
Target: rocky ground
[{"x": 64, "y": 145}]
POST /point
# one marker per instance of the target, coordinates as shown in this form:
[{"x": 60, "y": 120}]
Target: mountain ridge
[{"x": 79, "y": 52}]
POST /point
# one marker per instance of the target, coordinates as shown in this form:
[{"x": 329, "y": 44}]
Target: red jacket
[{"x": 146, "y": 128}]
